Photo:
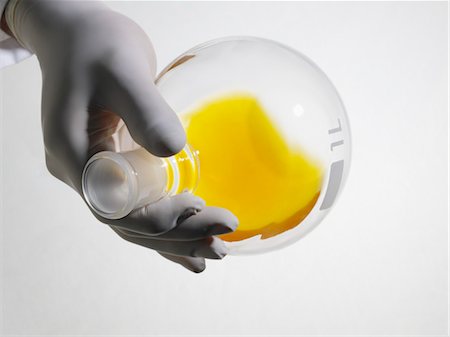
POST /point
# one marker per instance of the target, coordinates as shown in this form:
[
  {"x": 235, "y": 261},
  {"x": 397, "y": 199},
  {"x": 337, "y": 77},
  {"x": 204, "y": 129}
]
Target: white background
[{"x": 376, "y": 265}]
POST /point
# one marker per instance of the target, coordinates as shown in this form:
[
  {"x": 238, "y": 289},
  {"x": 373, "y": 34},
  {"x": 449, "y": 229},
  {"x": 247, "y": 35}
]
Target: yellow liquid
[{"x": 247, "y": 167}]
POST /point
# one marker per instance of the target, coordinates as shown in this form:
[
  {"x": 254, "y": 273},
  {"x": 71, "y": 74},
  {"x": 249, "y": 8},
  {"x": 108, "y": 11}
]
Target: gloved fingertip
[
  {"x": 215, "y": 250},
  {"x": 224, "y": 217},
  {"x": 233, "y": 222},
  {"x": 218, "y": 246},
  {"x": 166, "y": 142},
  {"x": 198, "y": 268}
]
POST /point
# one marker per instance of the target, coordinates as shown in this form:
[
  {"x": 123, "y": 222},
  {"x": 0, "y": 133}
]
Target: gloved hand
[{"x": 98, "y": 67}]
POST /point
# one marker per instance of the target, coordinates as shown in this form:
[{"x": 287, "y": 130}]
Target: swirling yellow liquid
[{"x": 248, "y": 167}]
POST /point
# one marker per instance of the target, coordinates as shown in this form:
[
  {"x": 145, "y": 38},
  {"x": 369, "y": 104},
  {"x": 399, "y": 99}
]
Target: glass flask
[{"x": 293, "y": 102}]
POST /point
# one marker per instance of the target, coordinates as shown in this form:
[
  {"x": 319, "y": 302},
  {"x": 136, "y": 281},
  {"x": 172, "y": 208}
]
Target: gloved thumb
[{"x": 152, "y": 123}]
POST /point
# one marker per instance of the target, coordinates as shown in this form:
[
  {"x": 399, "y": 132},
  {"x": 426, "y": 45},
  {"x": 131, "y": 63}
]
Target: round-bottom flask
[{"x": 269, "y": 129}]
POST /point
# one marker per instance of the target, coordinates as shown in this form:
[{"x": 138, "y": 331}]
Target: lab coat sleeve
[{"x": 10, "y": 50}]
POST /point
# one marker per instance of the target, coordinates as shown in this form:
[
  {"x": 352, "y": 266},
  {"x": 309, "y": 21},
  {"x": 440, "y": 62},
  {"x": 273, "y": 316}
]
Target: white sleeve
[{"x": 10, "y": 50}]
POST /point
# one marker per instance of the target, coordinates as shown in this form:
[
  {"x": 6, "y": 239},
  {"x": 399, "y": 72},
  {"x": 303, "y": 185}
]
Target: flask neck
[
  {"x": 114, "y": 184},
  {"x": 182, "y": 171}
]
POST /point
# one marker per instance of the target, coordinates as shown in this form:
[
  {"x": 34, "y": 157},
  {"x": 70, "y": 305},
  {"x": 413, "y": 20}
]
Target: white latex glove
[{"x": 98, "y": 67}]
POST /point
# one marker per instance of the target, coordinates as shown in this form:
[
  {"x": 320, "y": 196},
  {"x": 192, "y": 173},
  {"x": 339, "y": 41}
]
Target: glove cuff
[{"x": 11, "y": 12}]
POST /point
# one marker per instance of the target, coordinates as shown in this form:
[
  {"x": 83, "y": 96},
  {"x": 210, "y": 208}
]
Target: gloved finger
[
  {"x": 210, "y": 247},
  {"x": 210, "y": 221},
  {"x": 161, "y": 216},
  {"x": 195, "y": 264},
  {"x": 128, "y": 89}
]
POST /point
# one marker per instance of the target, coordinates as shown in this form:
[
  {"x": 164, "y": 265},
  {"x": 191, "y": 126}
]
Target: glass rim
[{"x": 128, "y": 171}]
